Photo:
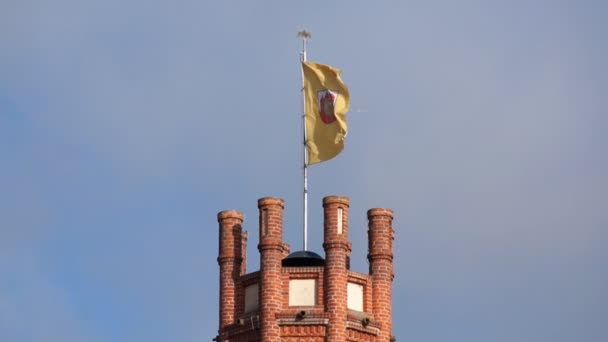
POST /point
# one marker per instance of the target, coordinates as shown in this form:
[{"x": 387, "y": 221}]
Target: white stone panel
[
  {"x": 340, "y": 220},
  {"x": 251, "y": 297},
  {"x": 302, "y": 292},
  {"x": 354, "y": 294}
]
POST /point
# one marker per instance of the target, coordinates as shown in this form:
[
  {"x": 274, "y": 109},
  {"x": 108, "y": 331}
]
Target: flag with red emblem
[{"x": 326, "y": 102}]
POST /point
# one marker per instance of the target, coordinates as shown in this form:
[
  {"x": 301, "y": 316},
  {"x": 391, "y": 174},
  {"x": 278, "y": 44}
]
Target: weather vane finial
[{"x": 305, "y": 36}]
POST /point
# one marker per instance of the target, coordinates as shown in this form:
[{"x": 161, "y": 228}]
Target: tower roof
[{"x": 303, "y": 258}]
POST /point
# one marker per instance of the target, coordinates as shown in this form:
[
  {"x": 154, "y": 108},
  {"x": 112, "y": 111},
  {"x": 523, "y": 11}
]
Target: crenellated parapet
[{"x": 303, "y": 296}]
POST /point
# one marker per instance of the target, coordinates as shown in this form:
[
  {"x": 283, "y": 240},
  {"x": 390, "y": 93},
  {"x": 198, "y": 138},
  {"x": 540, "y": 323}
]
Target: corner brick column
[
  {"x": 230, "y": 260},
  {"x": 380, "y": 236},
  {"x": 271, "y": 249},
  {"x": 337, "y": 249},
  {"x": 243, "y": 253}
]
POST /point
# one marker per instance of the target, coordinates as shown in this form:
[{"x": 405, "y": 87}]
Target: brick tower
[{"x": 301, "y": 296}]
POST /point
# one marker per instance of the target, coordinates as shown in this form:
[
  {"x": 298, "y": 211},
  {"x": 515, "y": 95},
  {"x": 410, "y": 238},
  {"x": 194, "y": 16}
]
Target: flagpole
[{"x": 304, "y": 35}]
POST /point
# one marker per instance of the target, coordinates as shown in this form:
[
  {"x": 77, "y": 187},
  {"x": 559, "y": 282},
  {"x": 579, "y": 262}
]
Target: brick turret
[
  {"x": 271, "y": 253},
  {"x": 301, "y": 296},
  {"x": 231, "y": 261},
  {"x": 337, "y": 251},
  {"x": 380, "y": 258}
]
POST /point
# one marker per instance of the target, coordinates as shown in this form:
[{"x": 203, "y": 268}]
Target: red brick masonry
[{"x": 329, "y": 319}]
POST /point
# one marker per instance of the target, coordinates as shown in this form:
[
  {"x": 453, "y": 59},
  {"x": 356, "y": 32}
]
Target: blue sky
[{"x": 126, "y": 126}]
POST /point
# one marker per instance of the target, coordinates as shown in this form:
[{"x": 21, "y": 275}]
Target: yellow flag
[{"x": 325, "y": 105}]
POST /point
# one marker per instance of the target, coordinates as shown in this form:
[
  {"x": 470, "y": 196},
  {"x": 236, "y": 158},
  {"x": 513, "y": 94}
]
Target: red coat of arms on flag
[{"x": 327, "y": 100}]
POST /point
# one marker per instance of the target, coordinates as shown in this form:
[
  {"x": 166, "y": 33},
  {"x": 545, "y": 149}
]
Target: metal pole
[{"x": 305, "y": 36}]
